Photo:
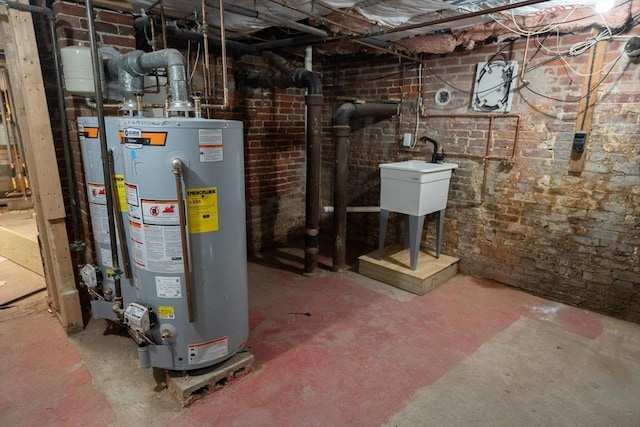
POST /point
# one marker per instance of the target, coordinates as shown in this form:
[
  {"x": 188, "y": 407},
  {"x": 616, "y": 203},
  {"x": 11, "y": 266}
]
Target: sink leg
[
  {"x": 384, "y": 219},
  {"x": 415, "y": 235},
  {"x": 405, "y": 237},
  {"x": 439, "y": 232}
]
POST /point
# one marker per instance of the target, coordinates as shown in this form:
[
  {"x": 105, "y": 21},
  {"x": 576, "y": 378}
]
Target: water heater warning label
[
  {"x": 208, "y": 351},
  {"x": 210, "y": 145},
  {"x": 168, "y": 287},
  {"x": 202, "y": 209},
  {"x": 160, "y": 212}
]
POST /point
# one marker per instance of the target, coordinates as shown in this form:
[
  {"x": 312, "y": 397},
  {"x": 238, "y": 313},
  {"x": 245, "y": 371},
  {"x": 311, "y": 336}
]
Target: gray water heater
[
  {"x": 99, "y": 278},
  {"x": 185, "y": 197}
]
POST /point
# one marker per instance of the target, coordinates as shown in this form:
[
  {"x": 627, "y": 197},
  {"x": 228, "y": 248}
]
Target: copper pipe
[
  {"x": 223, "y": 42},
  {"x": 177, "y": 165},
  {"x": 205, "y": 41},
  {"x": 486, "y": 158}
]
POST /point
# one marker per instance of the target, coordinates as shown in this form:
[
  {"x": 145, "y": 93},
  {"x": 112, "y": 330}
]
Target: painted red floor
[
  {"x": 43, "y": 382},
  {"x": 329, "y": 352},
  {"x": 359, "y": 355}
]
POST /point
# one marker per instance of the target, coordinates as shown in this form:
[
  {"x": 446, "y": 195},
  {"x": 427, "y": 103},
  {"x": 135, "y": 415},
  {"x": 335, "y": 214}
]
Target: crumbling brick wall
[{"x": 572, "y": 237}]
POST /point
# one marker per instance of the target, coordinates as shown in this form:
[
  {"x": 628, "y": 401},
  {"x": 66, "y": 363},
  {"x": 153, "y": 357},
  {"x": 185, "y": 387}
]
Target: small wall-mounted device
[
  {"x": 443, "y": 96},
  {"x": 579, "y": 140}
]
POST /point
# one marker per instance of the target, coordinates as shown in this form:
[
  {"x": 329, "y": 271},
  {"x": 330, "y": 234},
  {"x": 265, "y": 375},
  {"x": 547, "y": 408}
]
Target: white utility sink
[{"x": 415, "y": 187}]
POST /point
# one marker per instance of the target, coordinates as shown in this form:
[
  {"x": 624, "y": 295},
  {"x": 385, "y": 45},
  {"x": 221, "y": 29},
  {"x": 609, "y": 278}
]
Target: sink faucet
[{"x": 438, "y": 154}]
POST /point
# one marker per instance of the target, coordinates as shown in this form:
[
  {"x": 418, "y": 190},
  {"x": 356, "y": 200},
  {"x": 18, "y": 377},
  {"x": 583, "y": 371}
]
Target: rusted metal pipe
[
  {"x": 285, "y": 75},
  {"x": 341, "y": 132},
  {"x": 314, "y": 156}
]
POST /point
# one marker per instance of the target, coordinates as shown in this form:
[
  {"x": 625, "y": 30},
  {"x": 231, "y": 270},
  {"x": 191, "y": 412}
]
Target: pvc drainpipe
[
  {"x": 341, "y": 132},
  {"x": 104, "y": 152},
  {"x": 64, "y": 124}
]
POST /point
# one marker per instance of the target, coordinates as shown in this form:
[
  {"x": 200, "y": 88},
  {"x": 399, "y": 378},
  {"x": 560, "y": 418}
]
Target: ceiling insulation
[{"x": 400, "y": 24}]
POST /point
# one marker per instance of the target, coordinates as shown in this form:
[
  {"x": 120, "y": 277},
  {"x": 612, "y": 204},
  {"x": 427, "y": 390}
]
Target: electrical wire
[
  {"x": 195, "y": 65},
  {"x": 418, "y": 106},
  {"x": 577, "y": 100}
]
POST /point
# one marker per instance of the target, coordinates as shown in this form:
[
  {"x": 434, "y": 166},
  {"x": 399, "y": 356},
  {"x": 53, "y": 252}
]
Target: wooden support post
[
  {"x": 588, "y": 103},
  {"x": 32, "y": 116}
]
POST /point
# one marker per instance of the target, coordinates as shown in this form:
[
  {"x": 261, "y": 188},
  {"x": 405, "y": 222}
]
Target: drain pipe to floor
[
  {"x": 285, "y": 75},
  {"x": 341, "y": 132}
]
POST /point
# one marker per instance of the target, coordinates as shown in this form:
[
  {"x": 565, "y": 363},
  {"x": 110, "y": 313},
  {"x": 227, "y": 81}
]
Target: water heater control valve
[
  {"x": 91, "y": 275},
  {"x": 137, "y": 317}
]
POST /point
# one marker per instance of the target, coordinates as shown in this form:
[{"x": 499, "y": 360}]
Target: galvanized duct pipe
[
  {"x": 139, "y": 64},
  {"x": 284, "y": 75},
  {"x": 341, "y": 132},
  {"x": 66, "y": 146}
]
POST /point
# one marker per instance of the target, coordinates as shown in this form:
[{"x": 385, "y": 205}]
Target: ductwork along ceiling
[{"x": 408, "y": 26}]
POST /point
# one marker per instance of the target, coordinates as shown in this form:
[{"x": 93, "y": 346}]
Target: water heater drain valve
[{"x": 137, "y": 317}]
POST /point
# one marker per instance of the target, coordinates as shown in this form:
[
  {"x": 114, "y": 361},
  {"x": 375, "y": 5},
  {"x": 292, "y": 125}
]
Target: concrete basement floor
[{"x": 469, "y": 353}]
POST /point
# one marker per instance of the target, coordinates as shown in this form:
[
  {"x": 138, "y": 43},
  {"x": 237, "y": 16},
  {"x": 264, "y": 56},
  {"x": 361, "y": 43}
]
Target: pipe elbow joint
[
  {"x": 305, "y": 78},
  {"x": 345, "y": 112},
  {"x": 130, "y": 63}
]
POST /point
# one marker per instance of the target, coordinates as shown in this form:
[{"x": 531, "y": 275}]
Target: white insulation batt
[{"x": 385, "y": 13}]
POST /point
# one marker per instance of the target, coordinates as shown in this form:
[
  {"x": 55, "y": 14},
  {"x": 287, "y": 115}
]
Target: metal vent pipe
[
  {"x": 284, "y": 75},
  {"x": 139, "y": 64},
  {"x": 341, "y": 132}
]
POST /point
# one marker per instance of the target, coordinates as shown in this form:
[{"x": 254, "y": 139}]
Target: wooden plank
[
  {"x": 394, "y": 269},
  {"x": 32, "y": 116},
  {"x": 21, "y": 250},
  {"x": 187, "y": 387},
  {"x": 17, "y": 282},
  {"x": 587, "y": 103}
]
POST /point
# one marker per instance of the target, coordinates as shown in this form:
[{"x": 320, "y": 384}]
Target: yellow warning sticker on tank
[
  {"x": 122, "y": 193},
  {"x": 166, "y": 312},
  {"x": 202, "y": 209}
]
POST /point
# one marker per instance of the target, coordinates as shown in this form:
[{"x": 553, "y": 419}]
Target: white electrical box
[
  {"x": 494, "y": 86},
  {"x": 90, "y": 275},
  {"x": 137, "y": 317}
]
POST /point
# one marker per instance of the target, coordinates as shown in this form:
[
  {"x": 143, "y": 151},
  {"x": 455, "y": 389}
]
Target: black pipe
[
  {"x": 104, "y": 151},
  {"x": 341, "y": 132},
  {"x": 64, "y": 124},
  {"x": 141, "y": 23},
  {"x": 284, "y": 75}
]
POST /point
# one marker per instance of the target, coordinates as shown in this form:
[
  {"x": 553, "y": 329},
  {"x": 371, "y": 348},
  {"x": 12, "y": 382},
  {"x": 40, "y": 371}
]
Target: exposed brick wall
[
  {"x": 274, "y": 123},
  {"x": 573, "y": 238}
]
